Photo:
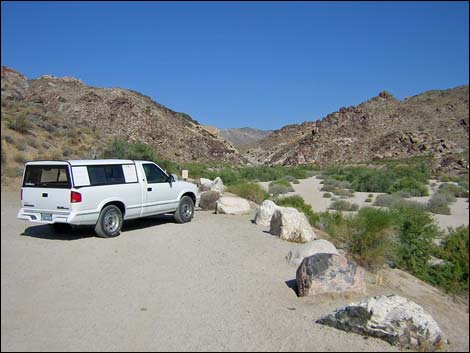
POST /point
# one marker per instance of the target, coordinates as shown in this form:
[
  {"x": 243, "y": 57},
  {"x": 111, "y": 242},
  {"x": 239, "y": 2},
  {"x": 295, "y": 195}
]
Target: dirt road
[{"x": 218, "y": 283}]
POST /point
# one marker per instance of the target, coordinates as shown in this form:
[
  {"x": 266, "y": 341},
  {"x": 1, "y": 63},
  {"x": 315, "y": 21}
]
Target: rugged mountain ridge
[
  {"x": 435, "y": 123},
  {"x": 110, "y": 112}
]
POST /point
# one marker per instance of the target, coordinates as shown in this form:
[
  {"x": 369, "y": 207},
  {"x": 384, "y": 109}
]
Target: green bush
[
  {"x": 453, "y": 274},
  {"x": 298, "y": 203},
  {"x": 249, "y": 191},
  {"x": 417, "y": 232},
  {"x": 326, "y": 195},
  {"x": 371, "y": 240},
  {"x": 122, "y": 149},
  {"x": 341, "y": 205},
  {"x": 410, "y": 186},
  {"x": 368, "y": 200}
]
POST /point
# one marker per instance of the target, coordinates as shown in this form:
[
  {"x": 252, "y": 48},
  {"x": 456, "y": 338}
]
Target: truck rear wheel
[
  {"x": 185, "y": 211},
  {"x": 109, "y": 223}
]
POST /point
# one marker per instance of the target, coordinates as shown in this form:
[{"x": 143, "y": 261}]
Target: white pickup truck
[{"x": 102, "y": 193}]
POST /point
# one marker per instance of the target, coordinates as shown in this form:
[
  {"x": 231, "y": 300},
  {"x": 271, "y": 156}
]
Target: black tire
[
  {"x": 60, "y": 227},
  {"x": 109, "y": 223},
  {"x": 185, "y": 211}
]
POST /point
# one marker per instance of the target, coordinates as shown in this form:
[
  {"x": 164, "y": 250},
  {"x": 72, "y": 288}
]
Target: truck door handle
[{"x": 149, "y": 189}]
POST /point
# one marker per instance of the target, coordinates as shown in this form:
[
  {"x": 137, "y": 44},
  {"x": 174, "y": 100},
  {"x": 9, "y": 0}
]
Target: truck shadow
[{"x": 45, "y": 231}]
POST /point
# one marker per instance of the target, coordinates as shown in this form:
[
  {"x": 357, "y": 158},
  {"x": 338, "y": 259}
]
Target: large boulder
[
  {"x": 209, "y": 200},
  {"x": 233, "y": 205},
  {"x": 392, "y": 318},
  {"x": 291, "y": 225},
  {"x": 218, "y": 185},
  {"x": 264, "y": 213},
  {"x": 207, "y": 184},
  {"x": 320, "y": 246},
  {"x": 329, "y": 274}
]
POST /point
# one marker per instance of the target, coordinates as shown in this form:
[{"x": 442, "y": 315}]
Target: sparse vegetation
[
  {"x": 250, "y": 191},
  {"x": 342, "y": 205},
  {"x": 279, "y": 187}
]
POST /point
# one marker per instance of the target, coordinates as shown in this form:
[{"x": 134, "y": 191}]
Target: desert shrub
[
  {"x": 277, "y": 190},
  {"x": 291, "y": 179},
  {"x": 394, "y": 202},
  {"x": 417, "y": 232},
  {"x": 341, "y": 205},
  {"x": 464, "y": 184},
  {"x": 371, "y": 239},
  {"x": 21, "y": 145},
  {"x": 343, "y": 192},
  {"x": 279, "y": 187},
  {"x": 19, "y": 158},
  {"x": 439, "y": 202},
  {"x": 328, "y": 188},
  {"x": 410, "y": 186},
  {"x": 249, "y": 191},
  {"x": 326, "y": 195},
  {"x": 32, "y": 142},
  {"x": 455, "y": 190},
  {"x": 122, "y": 149},
  {"x": 9, "y": 139},
  {"x": 298, "y": 203},
  {"x": 453, "y": 274},
  {"x": 21, "y": 124}
]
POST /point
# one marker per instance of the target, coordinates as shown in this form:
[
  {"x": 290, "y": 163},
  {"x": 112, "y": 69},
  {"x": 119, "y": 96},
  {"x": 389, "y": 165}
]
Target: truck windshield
[{"x": 46, "y": 176}]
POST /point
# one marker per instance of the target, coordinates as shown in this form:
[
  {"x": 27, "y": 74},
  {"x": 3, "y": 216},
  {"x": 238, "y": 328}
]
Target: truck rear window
[{"x": 46, "y": 176}]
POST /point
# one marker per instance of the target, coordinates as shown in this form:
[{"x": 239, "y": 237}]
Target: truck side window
[
  {"x": 154, "y": 174},
  {"x": 106, "y": 174}
]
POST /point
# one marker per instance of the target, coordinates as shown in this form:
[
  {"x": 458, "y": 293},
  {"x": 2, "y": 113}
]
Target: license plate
[{"x": 46, "y": 217}]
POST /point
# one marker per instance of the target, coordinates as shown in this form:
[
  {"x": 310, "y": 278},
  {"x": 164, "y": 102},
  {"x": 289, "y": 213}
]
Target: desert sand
[{"x": 219, "y": 283}]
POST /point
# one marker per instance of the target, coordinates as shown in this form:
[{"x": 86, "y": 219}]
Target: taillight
[{"x": 75, "y": 197}]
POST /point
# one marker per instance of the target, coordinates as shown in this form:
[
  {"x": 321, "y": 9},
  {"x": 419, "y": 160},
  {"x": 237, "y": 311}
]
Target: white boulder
[
  {"x": 392, "y": 318},
  {"x": 291, "y": 225},
  {"x": 265, "y": 212},
  {"x": 233, "y": 205},
  {"x": 319, "y": 246}
]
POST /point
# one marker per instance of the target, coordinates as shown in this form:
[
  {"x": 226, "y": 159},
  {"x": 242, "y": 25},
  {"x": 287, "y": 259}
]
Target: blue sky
[{"x": 235, "y": 64}]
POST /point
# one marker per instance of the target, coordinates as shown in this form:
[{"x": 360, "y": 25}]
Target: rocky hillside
[
  {"x": 435, "y": 122},
  {"x": 61, "y": 117}
]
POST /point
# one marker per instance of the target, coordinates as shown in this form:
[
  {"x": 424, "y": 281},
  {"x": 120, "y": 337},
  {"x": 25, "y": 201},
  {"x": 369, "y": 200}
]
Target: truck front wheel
[
  {"x": 109, "y": 223},
  {"x": 185, "y": 211}
]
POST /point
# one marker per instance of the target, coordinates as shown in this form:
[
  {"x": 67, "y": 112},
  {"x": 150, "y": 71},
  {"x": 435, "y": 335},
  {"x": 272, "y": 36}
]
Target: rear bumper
[{"x": 72, "y": 217}]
